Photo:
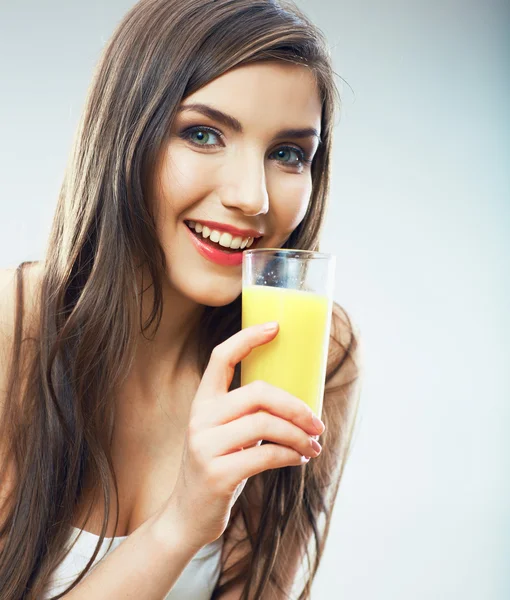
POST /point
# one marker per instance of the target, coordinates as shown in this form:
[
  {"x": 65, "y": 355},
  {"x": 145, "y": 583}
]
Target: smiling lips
[
  {"x": 225, "y": 235},
  {"x": 221, "y": 247}
]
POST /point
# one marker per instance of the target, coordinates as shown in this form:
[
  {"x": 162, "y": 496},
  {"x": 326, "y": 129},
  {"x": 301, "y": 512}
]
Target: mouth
[{"x": 224, "y": 248}]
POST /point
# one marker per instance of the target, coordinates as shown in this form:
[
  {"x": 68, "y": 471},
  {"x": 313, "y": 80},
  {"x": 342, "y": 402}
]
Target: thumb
[{"x": 220, "y": 370}]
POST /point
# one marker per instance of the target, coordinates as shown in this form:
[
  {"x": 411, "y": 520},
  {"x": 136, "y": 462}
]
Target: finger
[
  {"x": 237, "y": 466},
  {"x": 220, "y": 370},
  {"x": 257, "y": 443},
  {"x": 260, "y": 395},
  {"x": 247, "y": 430}
]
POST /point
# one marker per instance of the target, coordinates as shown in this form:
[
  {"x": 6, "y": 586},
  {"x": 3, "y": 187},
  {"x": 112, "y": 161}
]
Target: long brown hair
[{"x": 58, "y": 419}]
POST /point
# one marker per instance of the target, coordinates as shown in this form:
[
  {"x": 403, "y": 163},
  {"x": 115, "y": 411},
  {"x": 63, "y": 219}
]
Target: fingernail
[
  {"x": 316, "y": 446},
  {"x": 270, "y": 326},
  {"x": 318, "y": 424}
]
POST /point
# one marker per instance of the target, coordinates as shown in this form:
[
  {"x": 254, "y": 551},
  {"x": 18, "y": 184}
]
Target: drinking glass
[{"x": 294, "y": 288}]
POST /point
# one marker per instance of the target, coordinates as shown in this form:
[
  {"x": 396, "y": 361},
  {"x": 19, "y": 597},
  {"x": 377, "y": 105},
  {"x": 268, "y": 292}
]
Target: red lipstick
[
  {"x": 245, "y": 233},
  {"x": 213, "y": 252}
]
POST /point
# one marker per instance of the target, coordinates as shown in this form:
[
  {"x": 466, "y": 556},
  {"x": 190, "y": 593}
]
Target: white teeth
[
  {"x": 236, "y": 243},
  {"x": 224, "y": 239}
]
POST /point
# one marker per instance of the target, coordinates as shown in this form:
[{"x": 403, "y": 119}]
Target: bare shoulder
[
  {"x": 31, "y": 274},
  {"x": 10, "y": 295},
  {"x": 7, "y": 299}
]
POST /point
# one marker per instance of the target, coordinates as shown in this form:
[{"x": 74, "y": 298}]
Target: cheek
[
  {"x": 179, "y": 186},
  {"x": 290, "y": 201}
]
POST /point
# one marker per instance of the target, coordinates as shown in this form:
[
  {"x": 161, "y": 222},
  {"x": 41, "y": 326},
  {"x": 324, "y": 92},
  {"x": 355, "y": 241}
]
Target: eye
[
  {"x": 288, "y": 155},
  {"x": 202, "y": 136}
]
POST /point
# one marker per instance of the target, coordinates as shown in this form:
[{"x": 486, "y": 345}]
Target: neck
[{"x": 162, "y": 356}]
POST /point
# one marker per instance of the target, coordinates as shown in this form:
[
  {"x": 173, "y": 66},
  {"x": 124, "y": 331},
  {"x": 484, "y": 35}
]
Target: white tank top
[{"x": 196, "y": 582}]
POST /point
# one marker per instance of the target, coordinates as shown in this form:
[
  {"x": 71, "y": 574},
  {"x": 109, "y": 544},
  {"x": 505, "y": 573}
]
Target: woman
[{"x": 122, "y": 413}]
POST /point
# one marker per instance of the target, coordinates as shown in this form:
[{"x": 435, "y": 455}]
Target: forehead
[{"x": 265, "y": 94}]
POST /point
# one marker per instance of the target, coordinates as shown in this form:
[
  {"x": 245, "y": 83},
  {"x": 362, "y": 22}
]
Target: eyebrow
[{"x": 234, "y": 124}]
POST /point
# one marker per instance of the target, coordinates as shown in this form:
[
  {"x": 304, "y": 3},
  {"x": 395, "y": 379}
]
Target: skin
[
  {"x": 184, "y": 445},
  {"x": 238, "y": 182}
]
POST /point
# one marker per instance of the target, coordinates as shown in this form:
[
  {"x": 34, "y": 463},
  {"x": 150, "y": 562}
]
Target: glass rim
[{"x": 302, "y": 253}]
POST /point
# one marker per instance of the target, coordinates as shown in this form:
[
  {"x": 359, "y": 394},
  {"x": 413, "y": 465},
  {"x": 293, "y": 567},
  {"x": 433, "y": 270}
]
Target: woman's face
[{"x": 233, "y": 164}]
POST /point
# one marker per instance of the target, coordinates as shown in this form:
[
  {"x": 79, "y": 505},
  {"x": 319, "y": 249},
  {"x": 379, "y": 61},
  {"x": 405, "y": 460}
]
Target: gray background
[{"x": 419, "y": 220}]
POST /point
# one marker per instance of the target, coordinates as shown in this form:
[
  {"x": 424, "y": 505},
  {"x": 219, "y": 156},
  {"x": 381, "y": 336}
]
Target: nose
[{"x": 246, "y": 188}]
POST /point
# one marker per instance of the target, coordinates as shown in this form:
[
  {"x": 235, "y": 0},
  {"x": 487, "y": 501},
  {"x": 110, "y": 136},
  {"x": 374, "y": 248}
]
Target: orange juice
[{"x": 296, "y": 359}]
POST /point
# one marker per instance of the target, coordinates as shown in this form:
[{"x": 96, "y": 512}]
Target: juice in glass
[{"x": 296, "y": 359}]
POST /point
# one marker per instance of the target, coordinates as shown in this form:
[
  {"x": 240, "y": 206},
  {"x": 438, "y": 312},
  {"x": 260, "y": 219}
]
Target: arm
[
  {"x": 7, "y": 304},
  {"x": 14, "y": 325},
  {"x": 344, "y": 389},
  {"x": 144, "y": 567},
  {"x": 148, "y": 563}
]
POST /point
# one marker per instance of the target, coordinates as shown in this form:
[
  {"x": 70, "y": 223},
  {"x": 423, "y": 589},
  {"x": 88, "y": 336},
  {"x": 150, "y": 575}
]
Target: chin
[
  {"x": 216, "y": 302},
  {"x": 214, "y": 297},
  {"x": 209, "y": 291}
]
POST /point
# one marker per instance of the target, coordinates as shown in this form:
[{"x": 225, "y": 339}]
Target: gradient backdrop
[{"x": 420, "y": 221}]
